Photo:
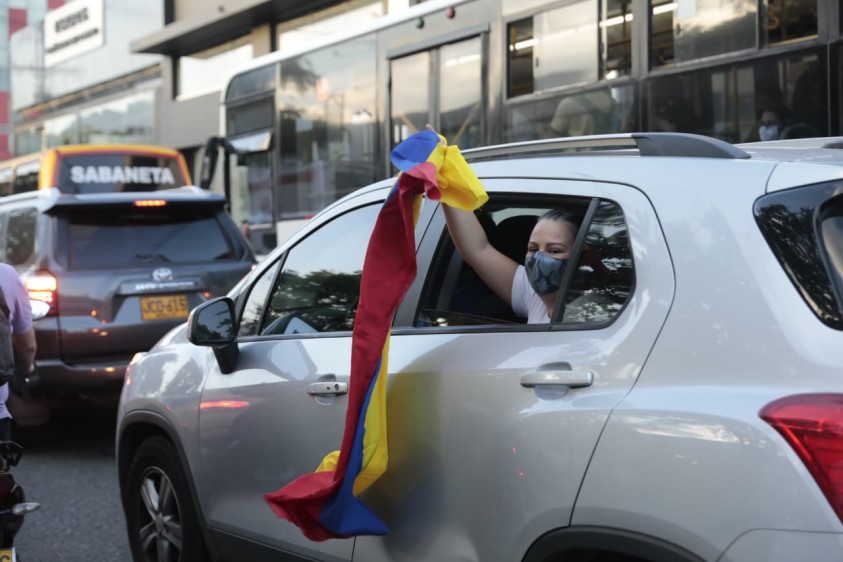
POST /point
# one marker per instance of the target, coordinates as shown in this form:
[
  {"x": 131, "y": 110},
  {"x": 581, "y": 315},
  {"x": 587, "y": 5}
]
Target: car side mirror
[{"x": 211, "y": 324}]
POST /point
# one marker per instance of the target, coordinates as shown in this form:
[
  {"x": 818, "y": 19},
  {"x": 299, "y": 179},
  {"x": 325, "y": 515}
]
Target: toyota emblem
[{"x": 163, "y": 274}]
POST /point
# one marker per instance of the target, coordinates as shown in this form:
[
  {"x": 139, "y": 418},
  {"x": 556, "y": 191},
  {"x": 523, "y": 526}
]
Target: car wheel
[{"x": 160, "y": 515}]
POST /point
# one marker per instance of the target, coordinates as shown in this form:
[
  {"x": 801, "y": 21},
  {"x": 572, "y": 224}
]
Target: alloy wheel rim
[{"x": 159, "y": 522}]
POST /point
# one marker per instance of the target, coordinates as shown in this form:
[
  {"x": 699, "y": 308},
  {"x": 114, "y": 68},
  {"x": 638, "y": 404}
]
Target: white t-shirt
[{"x": 525, "y": 302}]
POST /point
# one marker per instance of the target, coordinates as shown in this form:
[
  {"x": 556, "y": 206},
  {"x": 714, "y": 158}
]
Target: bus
[
  {"x": 95, "y": 168},
  {"x": 301, "y": 128}
]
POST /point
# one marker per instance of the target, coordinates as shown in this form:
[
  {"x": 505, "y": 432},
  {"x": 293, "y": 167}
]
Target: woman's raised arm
[{"x": 494, "y": 268}]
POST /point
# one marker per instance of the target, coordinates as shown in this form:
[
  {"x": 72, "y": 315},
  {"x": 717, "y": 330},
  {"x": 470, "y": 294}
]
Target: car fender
[{"x": 139, "y": 425}]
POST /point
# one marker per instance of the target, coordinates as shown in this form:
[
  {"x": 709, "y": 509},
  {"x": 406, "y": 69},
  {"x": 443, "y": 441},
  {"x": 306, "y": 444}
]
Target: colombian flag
[{"x": 324, "y": 504}]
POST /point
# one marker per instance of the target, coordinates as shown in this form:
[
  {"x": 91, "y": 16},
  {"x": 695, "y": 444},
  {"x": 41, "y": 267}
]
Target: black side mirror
[
  {"x": 212, "y": 324},
  {"x": 209, "y": 162}
]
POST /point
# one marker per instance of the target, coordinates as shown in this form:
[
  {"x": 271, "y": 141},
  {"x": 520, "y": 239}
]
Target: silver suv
[{"x": 684, "y": 404}]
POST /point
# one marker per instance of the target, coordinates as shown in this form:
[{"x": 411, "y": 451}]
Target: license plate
[
  {"x": 162, "y": 307},
  {"x": 7, "y": 555}
]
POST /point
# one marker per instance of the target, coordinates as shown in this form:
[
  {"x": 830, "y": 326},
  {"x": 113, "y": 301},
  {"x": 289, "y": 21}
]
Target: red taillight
[
  {"x": 813, "y": 425},
  {"x": 42, "y": 286}
]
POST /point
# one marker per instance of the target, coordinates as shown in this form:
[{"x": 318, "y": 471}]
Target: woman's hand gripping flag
[{"x": 325, "y": 504}]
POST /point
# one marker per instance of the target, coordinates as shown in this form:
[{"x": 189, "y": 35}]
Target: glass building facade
[{"x": 104, "y": 95}]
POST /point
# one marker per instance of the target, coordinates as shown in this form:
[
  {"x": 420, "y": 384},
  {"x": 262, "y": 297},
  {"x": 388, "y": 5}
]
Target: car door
[
  {"x": 260, "y": 427},
  {"x": 492, "y": 424}
]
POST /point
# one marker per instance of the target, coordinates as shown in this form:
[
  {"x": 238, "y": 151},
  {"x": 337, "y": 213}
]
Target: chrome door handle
[
  {"x": 327, "y": 387},
  {"x": 557, "y": 374}
]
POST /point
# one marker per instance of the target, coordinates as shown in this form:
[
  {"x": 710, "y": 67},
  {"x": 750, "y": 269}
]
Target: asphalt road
[{"x": 68, "y": 467}]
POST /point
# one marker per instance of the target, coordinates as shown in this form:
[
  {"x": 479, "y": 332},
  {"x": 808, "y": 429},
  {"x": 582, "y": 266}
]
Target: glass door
[
  {"x": 442, "y": 86},
  {"x": 251, "y": 200}
]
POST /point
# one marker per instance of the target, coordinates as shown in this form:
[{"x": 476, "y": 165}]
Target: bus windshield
[
  {"x": 95, "y": 168},
  {"x": 108, "y": 172}
]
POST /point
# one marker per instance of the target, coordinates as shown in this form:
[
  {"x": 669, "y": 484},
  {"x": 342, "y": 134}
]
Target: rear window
[
  {"x": 804, "y": 228},
  {"x": 110, "y": 238},
  {"x": 103, "y": 173}
]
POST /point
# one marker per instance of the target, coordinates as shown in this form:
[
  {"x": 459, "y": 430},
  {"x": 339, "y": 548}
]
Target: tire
[{"x": 161, "y": 517}]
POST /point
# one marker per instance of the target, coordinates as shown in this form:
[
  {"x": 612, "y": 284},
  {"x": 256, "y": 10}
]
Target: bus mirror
[{"x": 209, "y": 162}]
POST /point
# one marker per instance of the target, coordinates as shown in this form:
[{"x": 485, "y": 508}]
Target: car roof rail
[
  {"x": 647, "y": 144},
  {"x": 812, "y": 142}
]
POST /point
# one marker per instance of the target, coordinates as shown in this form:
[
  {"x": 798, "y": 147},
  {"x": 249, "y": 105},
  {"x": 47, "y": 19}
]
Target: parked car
[
  {"x": 692, "y": 410},
  {"x": 119, "y": 270}
]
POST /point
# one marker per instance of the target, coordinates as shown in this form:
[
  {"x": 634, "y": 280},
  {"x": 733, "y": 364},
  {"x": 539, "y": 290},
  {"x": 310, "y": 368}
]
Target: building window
[
  {"x": 205, "y": 71},
  {"x": 28, "y": 140},
  {"x": 130, "y": 119},
  {"x": 62, "y": 130}
]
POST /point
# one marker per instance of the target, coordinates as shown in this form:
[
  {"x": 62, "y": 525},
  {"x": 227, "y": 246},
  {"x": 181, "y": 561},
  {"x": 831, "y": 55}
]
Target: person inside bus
[
  {"x": 587, "y": 113},
  {"x": 768, "y": 127},
  {"x": 771, "y": 116},
  {"x": 529, "y": 288},
  {"x": 671, "y": 109}
]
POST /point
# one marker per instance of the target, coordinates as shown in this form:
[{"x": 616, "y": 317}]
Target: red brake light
[
  {"x": 813, "y": 425},
  {"x": 42, "y": 286}
]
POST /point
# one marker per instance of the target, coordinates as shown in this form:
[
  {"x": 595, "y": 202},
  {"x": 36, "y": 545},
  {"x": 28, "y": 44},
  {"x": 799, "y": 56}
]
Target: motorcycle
[{"x": 13, "y": 504}]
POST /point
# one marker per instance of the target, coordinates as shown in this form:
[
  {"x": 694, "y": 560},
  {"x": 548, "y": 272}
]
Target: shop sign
[{"x": 73, "y": 29}]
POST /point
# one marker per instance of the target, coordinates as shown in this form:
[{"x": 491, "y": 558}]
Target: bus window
[
  {"x": 690, "y": 31},
  {"x": 616, "y": 25},
  {"x": 89, "y": 168},
  {"x": 26, "y": 177},
  {"x": 106, "y": 172},
  {"x": 5, "y": 181},
  {"x": 595, "y": 111},
  {"x": 731, "y": 102},
  {"x": 555, "y": 48},
  {"x": 20, "y": 235},
  {"x": 327, "y": 127},
  {"x": 789, "y": 20}
]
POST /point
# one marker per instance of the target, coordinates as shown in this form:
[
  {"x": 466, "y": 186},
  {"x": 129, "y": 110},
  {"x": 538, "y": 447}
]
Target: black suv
[{"x": 119, "y": 270}]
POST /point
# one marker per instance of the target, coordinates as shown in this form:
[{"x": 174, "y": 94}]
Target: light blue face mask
[
  {"x": 768, "y": 132},
  {"x": 544, "y": 272}
]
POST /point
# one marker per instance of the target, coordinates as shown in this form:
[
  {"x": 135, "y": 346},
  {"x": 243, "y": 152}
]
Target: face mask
[
  {"x": 768, "y": 132},
  {"x": 544, "y": 272}
]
